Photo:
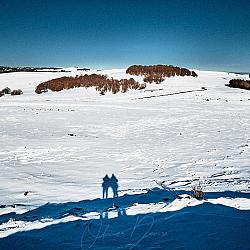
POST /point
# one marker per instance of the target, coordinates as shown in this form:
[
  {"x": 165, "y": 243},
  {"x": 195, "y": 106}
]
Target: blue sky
[{"x": 212, "y": 35}]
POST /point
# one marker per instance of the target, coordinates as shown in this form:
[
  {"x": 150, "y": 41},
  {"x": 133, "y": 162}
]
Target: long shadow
[
  {"x": 206, "y": 226},
  {"x": 80, "y": 208}
]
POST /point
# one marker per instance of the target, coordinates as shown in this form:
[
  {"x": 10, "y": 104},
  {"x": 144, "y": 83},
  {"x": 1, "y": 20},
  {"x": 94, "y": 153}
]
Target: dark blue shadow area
[
  {"x": 155, "y": 195},
  {"x": 206, "y": 226}
]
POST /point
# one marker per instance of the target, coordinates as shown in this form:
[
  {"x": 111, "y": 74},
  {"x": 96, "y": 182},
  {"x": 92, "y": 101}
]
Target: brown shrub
[
  {"x": 239, "y": 83},
  {"x": 198, "y": 193},
  {"x": 101, "y": 83}
]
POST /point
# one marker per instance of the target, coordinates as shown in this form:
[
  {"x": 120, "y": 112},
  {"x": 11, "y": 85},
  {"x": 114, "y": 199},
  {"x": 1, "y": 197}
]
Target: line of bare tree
[
  {"x": 158, "y": 73},
  {"x": 102, "y": 84}
]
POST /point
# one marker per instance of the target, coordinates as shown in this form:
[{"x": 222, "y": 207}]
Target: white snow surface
[{"x": 156, "y": 137}]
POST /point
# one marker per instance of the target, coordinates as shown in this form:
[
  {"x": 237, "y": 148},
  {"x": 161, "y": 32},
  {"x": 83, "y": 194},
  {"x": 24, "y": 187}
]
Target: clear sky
[{"x": 203, "y": 34}]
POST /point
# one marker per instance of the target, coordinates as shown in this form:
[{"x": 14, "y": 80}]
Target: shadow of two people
[{"x": 112, "y": 183}]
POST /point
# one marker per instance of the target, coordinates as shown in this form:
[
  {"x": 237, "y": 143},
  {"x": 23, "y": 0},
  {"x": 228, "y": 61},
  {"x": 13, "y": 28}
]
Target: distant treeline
[
  {"x": 102, "y": 84},
  {"x": 158, "y": 73},
  {"x": 6, "y": 69},
  {"x": 239, "y": 83}
]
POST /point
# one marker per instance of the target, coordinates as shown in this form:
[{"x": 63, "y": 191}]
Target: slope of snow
[
  {"x": 174, "y": 135},
  {"x": 150, "y": 223}
]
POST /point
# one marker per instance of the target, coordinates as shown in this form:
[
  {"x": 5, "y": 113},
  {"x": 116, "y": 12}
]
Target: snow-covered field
[{"x": 172, "y": 136}]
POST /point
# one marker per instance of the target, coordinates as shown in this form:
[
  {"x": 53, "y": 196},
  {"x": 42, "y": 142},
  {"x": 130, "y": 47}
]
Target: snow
[{"x": 170, "y": 136}]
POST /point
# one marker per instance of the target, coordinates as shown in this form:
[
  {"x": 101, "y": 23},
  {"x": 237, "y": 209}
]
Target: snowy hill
[{"x": 159, "y": 142}]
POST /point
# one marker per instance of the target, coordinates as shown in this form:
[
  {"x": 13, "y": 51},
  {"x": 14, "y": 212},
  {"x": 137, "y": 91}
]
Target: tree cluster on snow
[
  {"x": 7, "y": 91},
  {"x": 102, "y": 84},
  {"x": 239, "y": 83},
  {"x": 158, "y": 73}
]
